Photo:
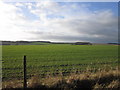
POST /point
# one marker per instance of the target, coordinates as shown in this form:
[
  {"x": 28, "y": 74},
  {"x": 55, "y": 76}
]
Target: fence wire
[{"x": 15, "y": 70}]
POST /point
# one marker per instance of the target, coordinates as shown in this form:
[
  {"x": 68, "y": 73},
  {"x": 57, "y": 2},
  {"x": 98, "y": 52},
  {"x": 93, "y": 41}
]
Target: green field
[{"x": 51, "y": 58}]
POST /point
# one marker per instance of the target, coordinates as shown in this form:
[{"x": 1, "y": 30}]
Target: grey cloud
[
  {"x": 81, "y": 26},
  {"x": 92, "y": 31},
  {"x": 90, "y": 38}
]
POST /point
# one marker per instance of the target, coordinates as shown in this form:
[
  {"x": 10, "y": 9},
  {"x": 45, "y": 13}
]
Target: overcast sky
[{"x": 59, "y": 21}]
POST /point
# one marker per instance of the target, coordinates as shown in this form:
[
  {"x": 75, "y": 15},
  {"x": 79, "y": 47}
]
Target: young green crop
[{"x": 50, "y": 55}]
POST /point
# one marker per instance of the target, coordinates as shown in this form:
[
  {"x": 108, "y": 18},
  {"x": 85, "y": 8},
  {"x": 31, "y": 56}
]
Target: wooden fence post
[{"x": 25, "y": 73}]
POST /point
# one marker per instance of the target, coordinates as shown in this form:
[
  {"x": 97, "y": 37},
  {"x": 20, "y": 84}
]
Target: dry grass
[{"x": 92, "y": 81}]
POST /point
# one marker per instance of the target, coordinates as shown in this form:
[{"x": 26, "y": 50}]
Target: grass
[
  {"x": 51, "y": 55},
  {"x": 101, "y": 80}
]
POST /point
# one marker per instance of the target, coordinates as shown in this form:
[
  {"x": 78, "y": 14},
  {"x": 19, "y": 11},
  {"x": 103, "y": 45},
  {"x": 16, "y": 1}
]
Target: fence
[{"x": 25, "y": 71}]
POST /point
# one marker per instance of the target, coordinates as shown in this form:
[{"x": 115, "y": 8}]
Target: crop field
[{"x": 56, "y": 58}]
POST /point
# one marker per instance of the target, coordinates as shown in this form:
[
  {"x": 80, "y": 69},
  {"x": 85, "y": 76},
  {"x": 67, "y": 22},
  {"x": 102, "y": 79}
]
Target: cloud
[
  {"x": 13, "y": 22},
  {"x": 57, "y": 22}
]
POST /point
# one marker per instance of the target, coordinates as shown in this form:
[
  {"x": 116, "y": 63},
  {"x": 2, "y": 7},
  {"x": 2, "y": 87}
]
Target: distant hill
[
  {"x": 114, "y": 43},
  {"x": 25, "y": 42},
  {"x": 48, "y": 42}
]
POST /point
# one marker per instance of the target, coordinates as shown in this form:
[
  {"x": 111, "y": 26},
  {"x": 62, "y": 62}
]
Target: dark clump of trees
[{"x": 82, "y": 43}]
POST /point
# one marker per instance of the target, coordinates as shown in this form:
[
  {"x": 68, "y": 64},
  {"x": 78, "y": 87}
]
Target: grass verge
[{"x": 85, "y": 80}]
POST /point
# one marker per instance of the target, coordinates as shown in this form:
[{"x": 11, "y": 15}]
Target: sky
[{"x": 95, "y": 22}]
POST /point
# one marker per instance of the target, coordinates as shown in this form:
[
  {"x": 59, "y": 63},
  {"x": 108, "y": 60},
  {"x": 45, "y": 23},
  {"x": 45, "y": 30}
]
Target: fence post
[{"x": 25, "y": 73}]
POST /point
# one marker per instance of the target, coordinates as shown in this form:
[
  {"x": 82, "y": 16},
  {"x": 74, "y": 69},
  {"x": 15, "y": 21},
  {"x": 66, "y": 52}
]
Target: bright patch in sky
[{"x": 63, "y": 21}]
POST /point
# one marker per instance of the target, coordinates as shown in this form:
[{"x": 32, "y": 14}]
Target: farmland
[{"x": 47, "y": 59}]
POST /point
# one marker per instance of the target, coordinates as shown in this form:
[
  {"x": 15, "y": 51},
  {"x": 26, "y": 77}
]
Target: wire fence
[{"x": 10, "y": 73}]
